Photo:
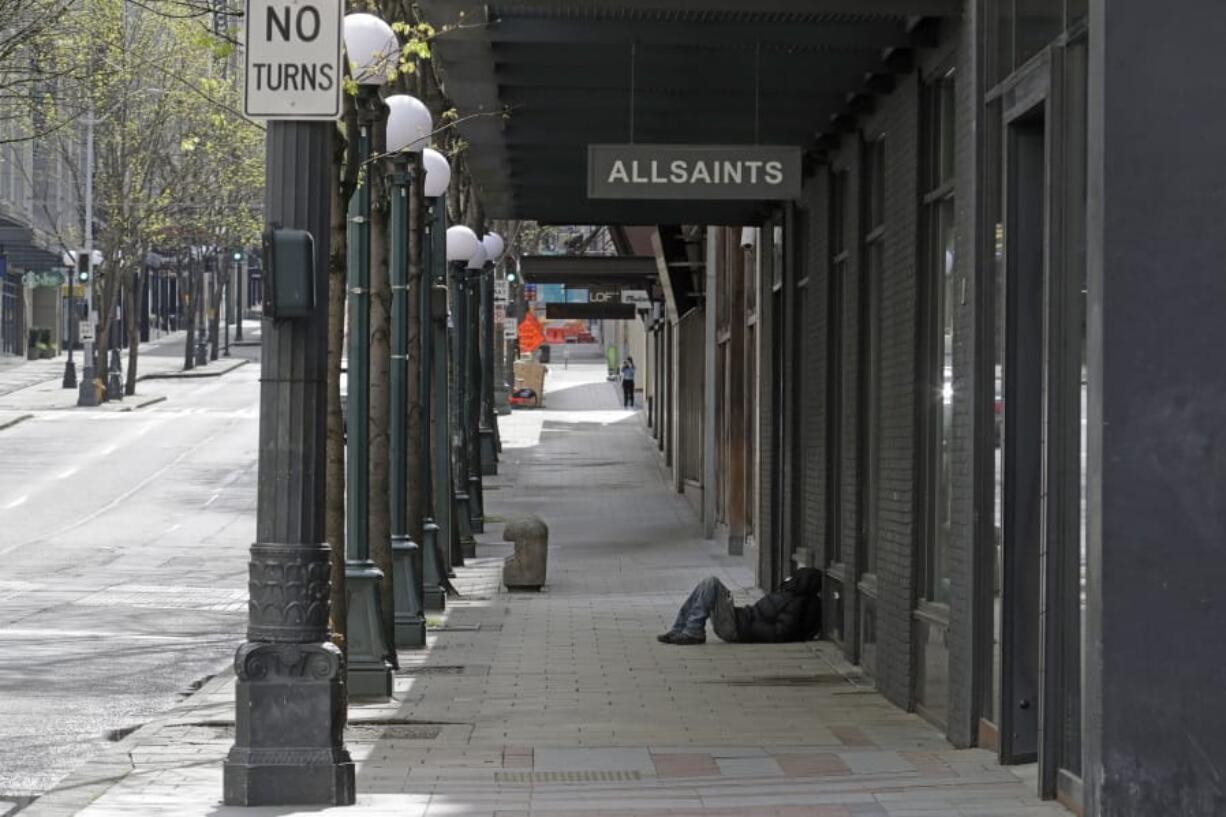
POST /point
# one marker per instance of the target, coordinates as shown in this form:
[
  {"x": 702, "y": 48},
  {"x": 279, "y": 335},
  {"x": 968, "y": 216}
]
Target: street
[{"x": 123, "y": 537}]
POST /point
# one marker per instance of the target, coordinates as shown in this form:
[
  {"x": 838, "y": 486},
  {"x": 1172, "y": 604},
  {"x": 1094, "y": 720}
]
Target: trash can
[{"x": 545, "y": 353}]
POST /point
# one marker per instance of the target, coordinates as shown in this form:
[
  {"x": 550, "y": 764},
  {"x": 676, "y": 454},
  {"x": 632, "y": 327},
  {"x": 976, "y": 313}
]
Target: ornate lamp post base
[
  {"x": 369, "y": 673},
  {"x": 114, "y": 379},
  {"x": 463, "y": 518},
  {"x": 476, "y": 504},
  {"x": 289, "y": 754},
  {"x": 410, "y": 623},
  {"x": 434, "y": 598},
  {"x": 489, "y": 452},
  {"x": 290, "y": 694},
  {"x": 502, "y": 400}
]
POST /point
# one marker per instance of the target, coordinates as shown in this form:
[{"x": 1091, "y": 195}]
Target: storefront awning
[
  {"x": 17, "y": 244},
  {"x": 544, "y": 79}
]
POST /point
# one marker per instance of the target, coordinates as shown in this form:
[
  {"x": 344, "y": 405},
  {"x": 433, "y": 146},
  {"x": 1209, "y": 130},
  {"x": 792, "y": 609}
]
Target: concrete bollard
[{"x": 525, "y": 568}]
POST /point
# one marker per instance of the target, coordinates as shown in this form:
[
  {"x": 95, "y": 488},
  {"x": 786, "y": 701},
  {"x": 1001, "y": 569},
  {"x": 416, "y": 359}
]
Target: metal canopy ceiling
[{"x": 570, "y": 73}]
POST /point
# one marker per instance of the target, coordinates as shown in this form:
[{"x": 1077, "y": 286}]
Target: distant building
[{"x": 40, "y": 218}]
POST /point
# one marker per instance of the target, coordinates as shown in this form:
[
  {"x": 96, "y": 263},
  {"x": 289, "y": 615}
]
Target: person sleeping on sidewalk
[{"x": 791, "y": 614}]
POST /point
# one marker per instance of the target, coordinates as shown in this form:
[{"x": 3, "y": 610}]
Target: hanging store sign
[
  {"x": 293, "y": 59},
  {"x": 638, "y": 297},
  {"x": 50, "y": 278},
  {"x": 722, "y": 172}
]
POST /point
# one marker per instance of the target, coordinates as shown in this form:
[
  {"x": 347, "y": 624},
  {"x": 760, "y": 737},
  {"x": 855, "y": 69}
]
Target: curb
[
  {"x": 148, "y": 402},
  {"x": 10, "y": 423},
  {"x": 193, "y": 374}
]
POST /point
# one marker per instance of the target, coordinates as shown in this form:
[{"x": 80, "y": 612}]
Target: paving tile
[
  {"x": 817, "y": 764},
  {"x": 685, "y": 765},
  {"x": 749, "y": 767}
]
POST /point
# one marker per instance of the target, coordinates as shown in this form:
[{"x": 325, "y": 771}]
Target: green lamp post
[
  {"x": 371, "y": 46},
  {"x": 436, "y": 464},
  {"x": 408, "y": 127}
]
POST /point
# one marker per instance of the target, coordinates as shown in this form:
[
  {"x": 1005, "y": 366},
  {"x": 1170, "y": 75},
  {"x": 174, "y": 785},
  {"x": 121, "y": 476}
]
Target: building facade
[{"x": 967, "y": 373}]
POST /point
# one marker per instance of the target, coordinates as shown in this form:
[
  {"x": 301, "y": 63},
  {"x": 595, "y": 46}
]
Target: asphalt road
[{"x": 123, "y": 547}]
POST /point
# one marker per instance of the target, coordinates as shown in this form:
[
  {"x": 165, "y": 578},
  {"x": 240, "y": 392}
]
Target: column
[{"x": 1155, "y": 727}]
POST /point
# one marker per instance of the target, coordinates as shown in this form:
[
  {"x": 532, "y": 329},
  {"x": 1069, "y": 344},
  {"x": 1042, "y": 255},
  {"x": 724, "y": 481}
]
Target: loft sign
[
  {"x": 718, "y": 172},
  {"x": 293, "y": 59}
]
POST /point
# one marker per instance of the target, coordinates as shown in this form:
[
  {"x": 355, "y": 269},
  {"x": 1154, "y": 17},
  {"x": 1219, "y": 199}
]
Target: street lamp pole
[
  {"x": 238, "y": 296},
  {"x": 488, "y": 431},
  {"x": 70, "y": 367},
  {"x": 408, "y": 123},
  {"x": 290, "y": 693},
  {"x": 369, "y": 42},
  {"x": 472, "y": 404},
  {"x": 434, "y": 384},
  {"x": 463, "y": 249},
  {"x": 468, "y": 478}
]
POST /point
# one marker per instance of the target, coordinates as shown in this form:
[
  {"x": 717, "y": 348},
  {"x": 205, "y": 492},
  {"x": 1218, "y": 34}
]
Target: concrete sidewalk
[
  {"x": 36, "y": 385},
  {"x": 562, "y": 703}
]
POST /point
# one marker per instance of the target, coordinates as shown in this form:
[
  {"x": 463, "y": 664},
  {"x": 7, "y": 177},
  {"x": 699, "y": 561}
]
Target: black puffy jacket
[{"x": 791, "y": 614}]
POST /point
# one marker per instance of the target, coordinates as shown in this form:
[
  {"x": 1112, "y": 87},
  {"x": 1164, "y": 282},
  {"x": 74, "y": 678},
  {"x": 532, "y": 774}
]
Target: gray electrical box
[{"x": 289, "y": 273}]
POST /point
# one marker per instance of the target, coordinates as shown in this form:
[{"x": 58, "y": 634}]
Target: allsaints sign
[{"x": 729, "y": 172}]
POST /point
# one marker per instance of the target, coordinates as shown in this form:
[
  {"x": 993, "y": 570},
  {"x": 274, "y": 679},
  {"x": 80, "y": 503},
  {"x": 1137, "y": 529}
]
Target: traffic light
[
  {"x": 510, "y": 277},
  {"x": 238, "y": 255},
  {"x": 83, "y": 267}
]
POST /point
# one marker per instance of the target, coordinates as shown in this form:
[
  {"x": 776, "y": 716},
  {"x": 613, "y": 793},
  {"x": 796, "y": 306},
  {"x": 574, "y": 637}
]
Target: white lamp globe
[
  {"x": 494, "y": 245},
  {"x": 461, "y": 243},
  {"x": 479, "y": 257},
  {"x": 408, "y": 124},
  {"x": 438, "y": 173},
  {"x": 372, "y": 48}
]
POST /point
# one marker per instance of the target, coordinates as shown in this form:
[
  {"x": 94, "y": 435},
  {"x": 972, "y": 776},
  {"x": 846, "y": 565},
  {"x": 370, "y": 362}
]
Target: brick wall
[{"x": 895, "y": 502}]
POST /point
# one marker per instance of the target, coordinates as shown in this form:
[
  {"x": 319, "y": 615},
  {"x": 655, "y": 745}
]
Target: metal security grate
[
  {"x": 438, "y": 669},
  {"x": 528, "y": 778},
  {"x": 371, "y": 732},
  {"x": 820, "y": 679}
]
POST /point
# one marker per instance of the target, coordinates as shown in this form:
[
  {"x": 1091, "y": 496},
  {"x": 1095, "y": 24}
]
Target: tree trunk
[
  {"x": 334, "y": 500},
  {"x": 380, "y": 394},
  {"x": 135, "y": 308}
]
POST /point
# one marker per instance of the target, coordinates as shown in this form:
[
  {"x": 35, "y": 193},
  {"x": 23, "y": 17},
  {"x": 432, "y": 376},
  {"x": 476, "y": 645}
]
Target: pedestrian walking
[
  {"x": 791, "y": 614},
  {"x": 628, "y": 383}
]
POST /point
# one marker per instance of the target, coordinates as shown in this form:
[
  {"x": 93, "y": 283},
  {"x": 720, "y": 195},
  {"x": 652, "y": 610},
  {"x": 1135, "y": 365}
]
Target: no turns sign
[{"x": 293, "y": 60}]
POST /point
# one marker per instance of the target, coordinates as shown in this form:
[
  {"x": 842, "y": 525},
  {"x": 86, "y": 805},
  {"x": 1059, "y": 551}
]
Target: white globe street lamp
[
  {"x": 409, "y": 124},
  {"x": 494, "y": 245},
  {"x": 462, "y": 243},
  {"x": 372, "y": 48},
  {"x": 478, "y": 258},
  {"x": 438, "y": 173}
]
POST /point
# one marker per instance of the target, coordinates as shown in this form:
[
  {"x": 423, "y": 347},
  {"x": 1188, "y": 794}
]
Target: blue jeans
[{"x": 692, "y": 617}]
